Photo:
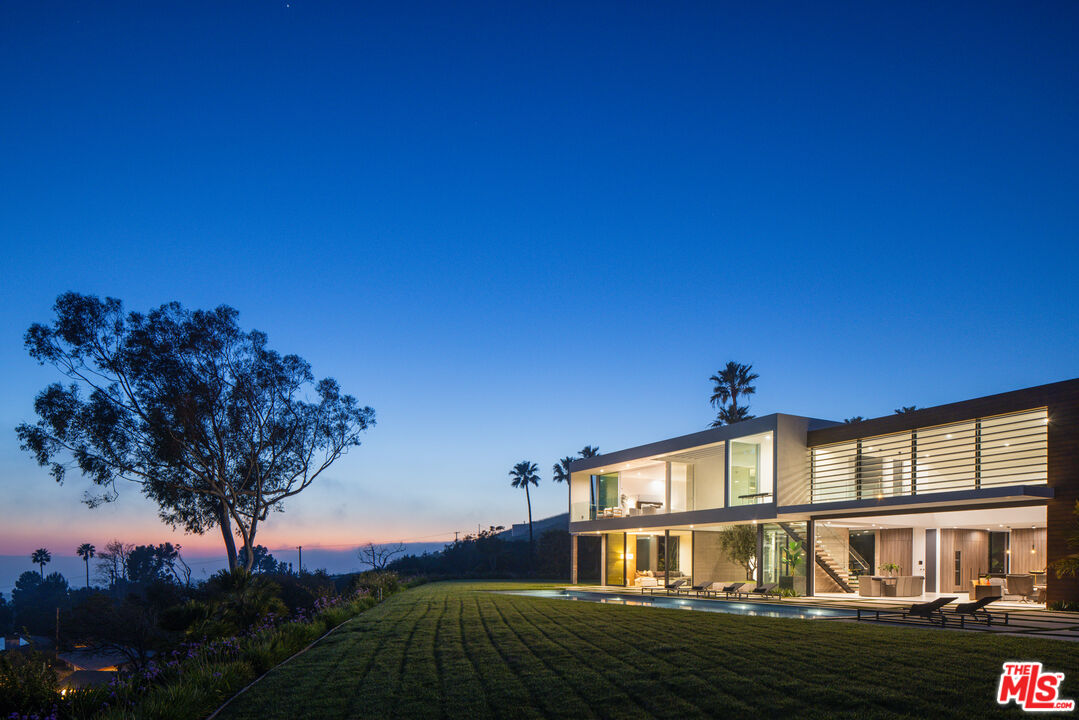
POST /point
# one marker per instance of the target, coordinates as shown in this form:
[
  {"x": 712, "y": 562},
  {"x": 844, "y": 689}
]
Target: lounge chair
[
  {"x": 976, "y": 611},
  {"x": 697, "y": 589},
  {"x": 729, "y": 590},
  {"x": 931, "y": 611},
  {"x": 668, "y": 587},
  {"x": 761, "y": 590}
]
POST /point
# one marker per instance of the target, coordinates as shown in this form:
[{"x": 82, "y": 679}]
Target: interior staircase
[
  {"x": 824, "y": 561},
  {"x": 843, "y": 573}
]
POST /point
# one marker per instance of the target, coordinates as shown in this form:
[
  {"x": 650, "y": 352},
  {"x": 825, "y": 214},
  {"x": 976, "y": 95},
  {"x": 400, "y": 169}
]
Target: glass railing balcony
[
  {"x": 753, "y": 498},
  {"x": 581, "y": 511}
]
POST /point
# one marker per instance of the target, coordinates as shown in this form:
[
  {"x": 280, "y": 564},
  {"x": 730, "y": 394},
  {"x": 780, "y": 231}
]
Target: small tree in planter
[
  {"x": 793, "y": 558},
  {"x": 739, "y": 543}
]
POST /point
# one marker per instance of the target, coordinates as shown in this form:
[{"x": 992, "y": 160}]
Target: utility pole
[
  {"x": 455, "y": 534},
  {"x": 300, "y": 549}
]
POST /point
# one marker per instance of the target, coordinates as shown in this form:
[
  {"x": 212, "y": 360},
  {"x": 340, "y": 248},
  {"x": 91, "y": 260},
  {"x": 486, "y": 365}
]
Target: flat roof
[{"x": 683, "y": 442}]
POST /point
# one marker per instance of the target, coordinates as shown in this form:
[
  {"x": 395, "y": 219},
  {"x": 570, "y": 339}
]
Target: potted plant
[
  {"x": 794, "y": 562},
  {"x": 891, "y": 568}
]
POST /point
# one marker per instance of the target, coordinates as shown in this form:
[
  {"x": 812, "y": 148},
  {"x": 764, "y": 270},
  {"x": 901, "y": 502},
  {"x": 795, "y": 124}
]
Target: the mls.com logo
[{"x": 1031, "y": 689}]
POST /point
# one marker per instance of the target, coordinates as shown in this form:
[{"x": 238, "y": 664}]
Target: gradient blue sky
[{"x": 518, "y": 229}]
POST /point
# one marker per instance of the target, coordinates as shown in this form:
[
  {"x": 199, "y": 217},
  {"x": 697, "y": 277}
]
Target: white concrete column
[
  {"x": 573, "y": 559},
  {"x": 603, "y": 559},
  {"x": 667, "y": 488}
]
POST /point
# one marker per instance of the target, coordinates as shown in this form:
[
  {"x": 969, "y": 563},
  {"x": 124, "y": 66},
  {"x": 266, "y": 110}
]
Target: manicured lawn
[{"x": 451, "y": 650}]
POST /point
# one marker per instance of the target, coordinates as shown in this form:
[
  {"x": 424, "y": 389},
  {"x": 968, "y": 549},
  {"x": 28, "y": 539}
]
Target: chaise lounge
[
  {"x": 697, "y": 589},
  {"x": 931, "y": 611},
  {"x": 668, "y": 587},
  {"x": 976, "y": 611},
  {"x": 762, "y": 590},
  {"x": 727, "y": 590}
]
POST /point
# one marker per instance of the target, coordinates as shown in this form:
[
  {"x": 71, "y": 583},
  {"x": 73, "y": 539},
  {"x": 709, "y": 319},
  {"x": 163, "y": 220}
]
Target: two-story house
[{"x": 940, "y": 497}]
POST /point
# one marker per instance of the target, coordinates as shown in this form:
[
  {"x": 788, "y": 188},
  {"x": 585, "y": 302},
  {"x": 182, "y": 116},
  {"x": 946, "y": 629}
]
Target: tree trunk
[
  {"x": 225, "y": 524},
  {"x": 529, "y": 499},
  {"x": 87, "y": 561}
]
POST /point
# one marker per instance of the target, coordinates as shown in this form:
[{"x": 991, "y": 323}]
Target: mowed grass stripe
[
  {"x": 509, "y": 696},
  {"x": 714, "y": 673},
  {"x": 419, "y": 687},
  {"x": 375, "y": 693},
  {"x": 572, "y": 704},
  {"x": 734, "y": 662},
  {"x": 647, "y": 676},
  {"x": 607, "y": 698},
  {"x": 462, "y": 687},
  {"x": 551, "y": 696}
]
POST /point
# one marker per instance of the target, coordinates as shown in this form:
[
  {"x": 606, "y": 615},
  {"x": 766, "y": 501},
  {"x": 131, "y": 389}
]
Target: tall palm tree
[
  {"x": 728, "y": 385},
  {"x": 588, "y": 451},
  {"x": 730, "y": 414},
  {"x": 523, "y": 473},
  {"x": 41, "y": 558},
  {"x": 561, "y": 469},
  {"x": 86, "y": 551}
]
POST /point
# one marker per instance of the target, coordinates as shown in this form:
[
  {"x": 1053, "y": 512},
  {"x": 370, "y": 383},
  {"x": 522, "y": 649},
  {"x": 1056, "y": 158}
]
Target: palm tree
[
  {"x": 730, "y": 415},
  {"x": 855, "y": 419},
  {"x": 728, "y": 384},
  {"x": 588, "y": 451},
  {"x": 41, "y": 558},
  {"x": 906, "y": 409},
  {"x": 523, "y": 473},
  {"x": 561, "y": 469},
  {"x": 86, "y": 551}
]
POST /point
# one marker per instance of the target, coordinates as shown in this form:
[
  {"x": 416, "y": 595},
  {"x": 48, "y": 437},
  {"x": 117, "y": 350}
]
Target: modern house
[{"x": 937, "y": 500}]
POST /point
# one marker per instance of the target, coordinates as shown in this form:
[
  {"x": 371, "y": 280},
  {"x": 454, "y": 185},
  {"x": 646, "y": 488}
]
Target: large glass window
[
  {"x": 675, "y": 555},
  {"x": 616, "y": 559},
  {"x": 947, "y": 457},
  {"x": 581, "y": 497},
  {"x": 884, "y": 467},
  {"x": 785, "y": 560},
  {"x": 751, "y": 470},
  {"x": 606, "y": 494},
  {"x": 833, "y": 472},
  {"x": 642, "y": 489},
  {"x": 681, "y": 487},
  {"x": 697, "y": 478},
  {"x": 1014, "y": 449},
  {"x": 1001, "y": 450}
]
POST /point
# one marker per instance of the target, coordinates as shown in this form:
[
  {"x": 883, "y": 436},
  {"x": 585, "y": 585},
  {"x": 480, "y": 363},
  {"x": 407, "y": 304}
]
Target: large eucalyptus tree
[{"x": 210, "y": 423}]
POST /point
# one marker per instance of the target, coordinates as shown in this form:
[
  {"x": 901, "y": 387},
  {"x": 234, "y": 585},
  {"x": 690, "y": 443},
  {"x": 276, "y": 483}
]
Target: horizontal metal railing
[{"x": 981, "y": 452}]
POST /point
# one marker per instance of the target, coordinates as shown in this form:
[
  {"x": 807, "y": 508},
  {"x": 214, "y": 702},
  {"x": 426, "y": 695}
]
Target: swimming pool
[{"x": 734, "y": 607}]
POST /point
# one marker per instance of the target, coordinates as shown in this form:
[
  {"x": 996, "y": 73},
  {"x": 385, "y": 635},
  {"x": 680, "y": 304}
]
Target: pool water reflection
[{"x": 683, "y": 603}]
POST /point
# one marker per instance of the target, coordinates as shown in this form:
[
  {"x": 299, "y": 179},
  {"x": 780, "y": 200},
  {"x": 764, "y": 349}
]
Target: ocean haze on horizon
[{"x": 333, "y": 561}]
